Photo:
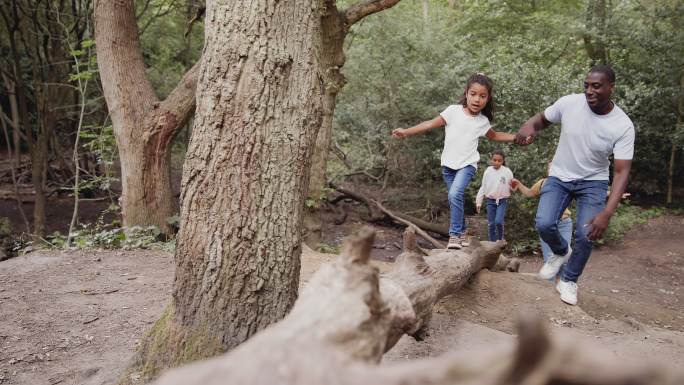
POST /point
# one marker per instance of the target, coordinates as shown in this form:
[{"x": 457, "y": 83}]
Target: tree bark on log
[
  {"x": 144, "y": 126},
  {"x": 348, "y": 316}
]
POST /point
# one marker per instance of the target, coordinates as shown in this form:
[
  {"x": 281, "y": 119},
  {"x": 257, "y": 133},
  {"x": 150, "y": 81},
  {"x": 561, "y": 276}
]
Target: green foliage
[
  {"x": 648, "y": 41},
  {"x": 425, "y": 65},
  {"x": 112, "y": 237},
  {"x": 404, "y": 67},
  {"x": 5, "y": 227},
  {"x": 100, "y": 142},
  {"x": 625, "y": 217},
  {"x": 327, "y": 249},
  {"x": 168, "y": 53}
]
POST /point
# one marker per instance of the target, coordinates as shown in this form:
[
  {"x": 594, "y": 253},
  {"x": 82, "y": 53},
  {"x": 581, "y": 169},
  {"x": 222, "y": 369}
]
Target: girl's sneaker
[{"x": 455, "y": 242}]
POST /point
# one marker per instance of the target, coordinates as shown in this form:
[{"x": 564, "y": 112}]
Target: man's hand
[
  {"x": 525, "y": 135},
  {"x": 597, "y": 225},
  {"x": 522, "y": 140},
  {"x": 514, "y": 184},
  {"x": 529, "y": 129},
  {"x": 399, "y": 133}
]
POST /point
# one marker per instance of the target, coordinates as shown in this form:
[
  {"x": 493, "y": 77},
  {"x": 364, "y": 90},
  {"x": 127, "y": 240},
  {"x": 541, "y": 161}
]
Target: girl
[
  {"x": 495, "y": 187},
  {"x": 465, "y": 123},
  {"x": 564, "y": 223}
]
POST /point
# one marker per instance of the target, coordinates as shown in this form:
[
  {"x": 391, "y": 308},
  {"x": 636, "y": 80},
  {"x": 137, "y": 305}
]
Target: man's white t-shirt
[
  {"x": 461, "y": 137},
  {"x": 588, "y": 139}
]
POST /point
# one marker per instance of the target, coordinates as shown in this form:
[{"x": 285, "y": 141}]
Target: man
[{"x": 592, "y": 128}]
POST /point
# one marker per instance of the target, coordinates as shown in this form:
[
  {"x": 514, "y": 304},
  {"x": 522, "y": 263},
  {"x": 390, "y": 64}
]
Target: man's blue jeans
[
  {"x": 556, "y": 195},
  {"x": 565, "y": 228},
  {"x": 495, "y": 218},
  {"x": 456, "y": 183}
]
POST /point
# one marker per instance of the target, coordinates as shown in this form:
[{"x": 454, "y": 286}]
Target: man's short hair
[{"x": 606, "y": 70}]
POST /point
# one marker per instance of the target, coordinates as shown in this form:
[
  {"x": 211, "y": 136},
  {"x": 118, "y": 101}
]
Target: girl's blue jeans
[
  {"x": 565, "y": 229},
  {"x": 495, "y": 218},
  {"x": 590, "y": 196},
  {"x": 456, "y": 182}
]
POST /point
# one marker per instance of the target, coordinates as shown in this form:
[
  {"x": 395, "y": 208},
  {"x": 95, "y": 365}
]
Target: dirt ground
[{"x": 76, "y": 317}]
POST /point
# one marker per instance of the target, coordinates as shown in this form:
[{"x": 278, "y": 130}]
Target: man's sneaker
[
  {"x": 553, "y": 265},
  {"x": 454, "y": 242},
  {"x": 464, "y": 241},
  {"x": 568, "y": 291}
]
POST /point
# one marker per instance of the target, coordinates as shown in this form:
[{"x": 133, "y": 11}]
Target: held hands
[
  {"x": 522, "y": 140},
  {"x": 514, "y": 184},
  {"x": 525, "y": 135},
  {"x": 399, "y": 133}
]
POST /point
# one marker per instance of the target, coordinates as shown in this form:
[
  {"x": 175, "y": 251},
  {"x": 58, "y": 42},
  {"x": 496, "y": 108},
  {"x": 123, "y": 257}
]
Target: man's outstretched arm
[{"x": 531, "y": 128}]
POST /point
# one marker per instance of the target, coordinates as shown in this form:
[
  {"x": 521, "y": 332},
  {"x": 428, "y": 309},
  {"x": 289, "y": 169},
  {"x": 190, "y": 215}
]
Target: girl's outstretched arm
[
  {"x": 419, "y": 128},
  {"x": 518, "y": 185},
  {"x": 500, "y": 136}
]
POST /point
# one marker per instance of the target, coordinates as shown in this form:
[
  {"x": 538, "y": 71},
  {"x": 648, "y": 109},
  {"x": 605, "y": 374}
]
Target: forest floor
[{"x": 76, "y": 317}]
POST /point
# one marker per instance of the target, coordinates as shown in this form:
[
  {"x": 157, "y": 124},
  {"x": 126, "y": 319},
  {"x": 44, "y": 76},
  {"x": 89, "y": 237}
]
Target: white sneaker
[
  {"x": 568, "y": 291},
  {"x": 553, "y": 265}
]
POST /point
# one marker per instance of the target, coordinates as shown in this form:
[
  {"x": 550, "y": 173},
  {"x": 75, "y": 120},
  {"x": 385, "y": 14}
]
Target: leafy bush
[
  {"x": 111, "y": 237},
  {"x": 625, "y": 217}
]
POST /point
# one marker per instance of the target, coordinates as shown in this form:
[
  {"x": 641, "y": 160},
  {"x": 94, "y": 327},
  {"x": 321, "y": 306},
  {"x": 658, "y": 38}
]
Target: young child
[
  {"x": 496, "y": 188},
  {"x": 465, "y": 123},
  {"x": 564, "y": 223}
]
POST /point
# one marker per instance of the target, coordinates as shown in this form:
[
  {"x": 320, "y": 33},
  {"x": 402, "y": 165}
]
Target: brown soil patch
[{"x": 76, "y": 317}]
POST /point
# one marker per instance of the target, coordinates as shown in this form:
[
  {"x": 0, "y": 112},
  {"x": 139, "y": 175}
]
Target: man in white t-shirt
[{"x": 593, "y": 128}]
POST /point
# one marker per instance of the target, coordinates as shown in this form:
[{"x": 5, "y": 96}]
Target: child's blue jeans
[
  {"x": 456, "y": 183},
  {"x": 495, "y": 218}
]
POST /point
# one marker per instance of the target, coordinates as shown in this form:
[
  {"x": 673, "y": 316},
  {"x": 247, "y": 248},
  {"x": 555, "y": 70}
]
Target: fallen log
[
  {"x": 378, "y": 212},
  {"x": 347, "y": 312},
  {"x": 347, "y": 316}
]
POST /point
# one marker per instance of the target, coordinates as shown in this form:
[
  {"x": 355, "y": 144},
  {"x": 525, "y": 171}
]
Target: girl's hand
[
  {"x": 478, "y": 208},
  {"x": 399, "y": 133},
  {"x": 514, "y": 184}
]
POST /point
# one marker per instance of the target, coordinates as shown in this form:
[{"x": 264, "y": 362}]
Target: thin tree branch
[{"x": 358, "y": 11}]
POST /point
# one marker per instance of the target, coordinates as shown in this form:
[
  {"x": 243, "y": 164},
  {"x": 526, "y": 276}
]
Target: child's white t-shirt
[
  {"x": 461, "y": 137},
  {"x": 495, "y": 184},
  {"x": 587, "y": 139}
]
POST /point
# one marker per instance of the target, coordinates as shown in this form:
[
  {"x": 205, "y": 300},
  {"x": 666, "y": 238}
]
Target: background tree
[
  {"x": 650, "y": 65},
  {"x": 144, "y": 126},
  {"x": 38, "y": 64}
]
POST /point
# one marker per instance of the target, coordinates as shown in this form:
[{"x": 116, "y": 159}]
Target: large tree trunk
[
  {"x": 144, "y": 127},
  {"x": 244, "y": 180},
  {"x": 347, "y": 317}
]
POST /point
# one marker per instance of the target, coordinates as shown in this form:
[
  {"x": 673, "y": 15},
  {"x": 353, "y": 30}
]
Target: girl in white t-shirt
[
  {"x": 465, "y": 123},
  {"x": 496, "y": 190}
]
